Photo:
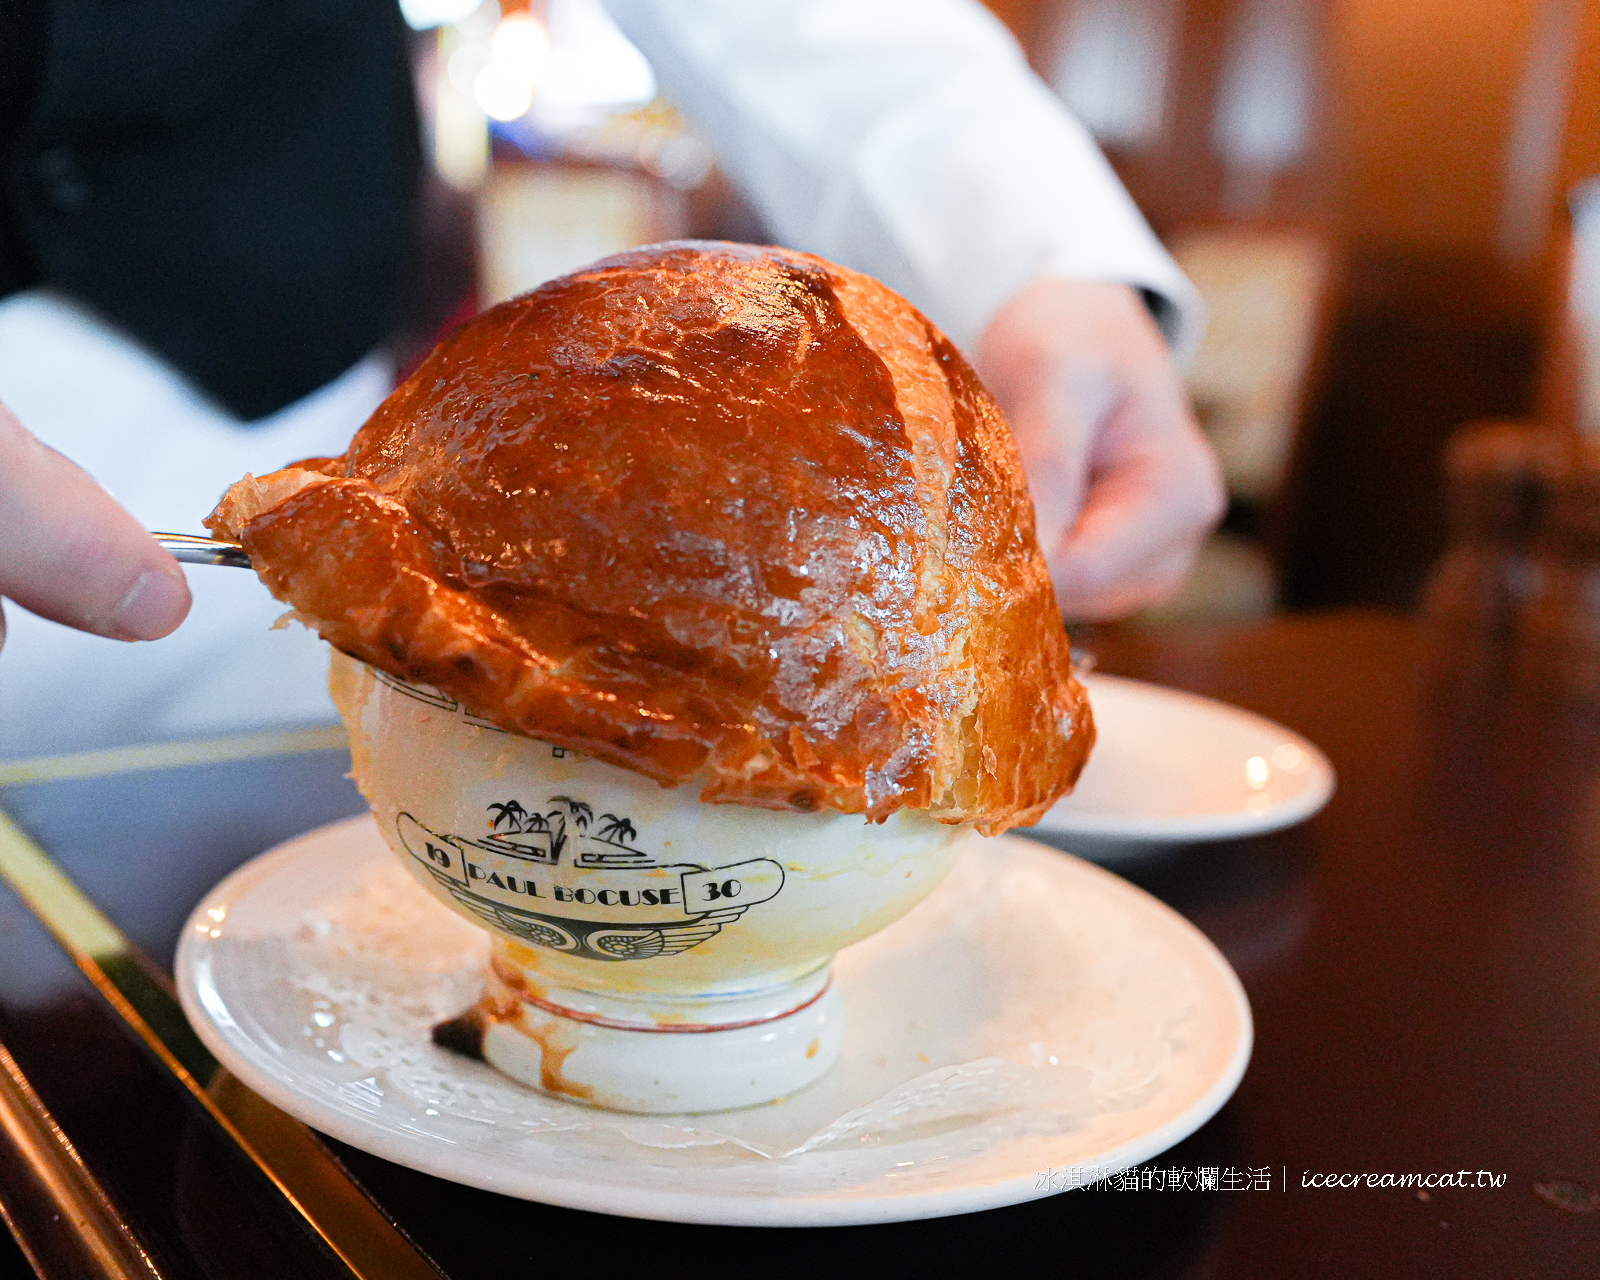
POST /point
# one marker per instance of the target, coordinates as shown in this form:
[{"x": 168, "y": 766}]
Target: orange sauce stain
[
  {"x": 556, "y": 1043},
  {"x": 509, "y": 988}
]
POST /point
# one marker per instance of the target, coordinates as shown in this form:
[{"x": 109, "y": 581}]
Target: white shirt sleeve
[{"x": 910, "y": 140}]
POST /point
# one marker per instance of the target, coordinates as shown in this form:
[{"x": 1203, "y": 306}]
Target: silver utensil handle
[{"x": 191, "y": 549}]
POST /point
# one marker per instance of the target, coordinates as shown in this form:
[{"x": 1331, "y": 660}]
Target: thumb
[{"x": 70, "y": 553}]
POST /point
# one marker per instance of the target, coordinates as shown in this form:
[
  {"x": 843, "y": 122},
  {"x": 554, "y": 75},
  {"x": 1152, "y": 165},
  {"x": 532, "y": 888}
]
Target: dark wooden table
[{"x": 1423, "y": 959}]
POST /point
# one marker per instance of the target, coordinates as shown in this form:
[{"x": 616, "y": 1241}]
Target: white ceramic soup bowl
[{"x": 649, "y": 952}]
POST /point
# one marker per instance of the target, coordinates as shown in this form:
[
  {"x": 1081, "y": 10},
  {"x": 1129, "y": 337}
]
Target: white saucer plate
[
  {"x": 1170, "y": 766},
  {"x": 1037, "y": 1023}
]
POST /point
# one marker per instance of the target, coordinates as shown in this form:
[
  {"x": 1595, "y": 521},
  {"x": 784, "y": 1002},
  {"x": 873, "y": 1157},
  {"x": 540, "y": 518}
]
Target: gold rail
[
  {"x": 59, "y": 1215},
  {"x": 170, "y": 755},
  {"x": 284, "y": 1149}
]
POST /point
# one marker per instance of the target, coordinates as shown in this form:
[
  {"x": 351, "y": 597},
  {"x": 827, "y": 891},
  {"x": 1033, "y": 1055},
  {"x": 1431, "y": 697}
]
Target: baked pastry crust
[{"x": 714, "y": 513}]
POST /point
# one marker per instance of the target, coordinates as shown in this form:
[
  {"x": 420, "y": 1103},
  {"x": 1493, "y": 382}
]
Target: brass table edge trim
[
  {"x": 171, "y": 755},
  {"x": 105, "y": 1244},
  {"x": 357, "y": 1232}
]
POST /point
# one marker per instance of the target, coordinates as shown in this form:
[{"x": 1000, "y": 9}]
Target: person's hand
[
  {"x": 1124, "y": 485},
  {"x": 70, "y": 553}
]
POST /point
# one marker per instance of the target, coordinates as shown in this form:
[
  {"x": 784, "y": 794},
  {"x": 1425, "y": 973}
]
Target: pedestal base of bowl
[{"x": 676, "y": 1066}]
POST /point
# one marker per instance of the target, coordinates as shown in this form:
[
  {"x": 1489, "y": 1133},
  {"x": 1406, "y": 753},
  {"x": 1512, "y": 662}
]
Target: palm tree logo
[
  {"x": 511, "y": 813},
  {"x": 516, "y": 820},
  {"x": 581, "y": 813},
  {"x": 616, "y": 830}
]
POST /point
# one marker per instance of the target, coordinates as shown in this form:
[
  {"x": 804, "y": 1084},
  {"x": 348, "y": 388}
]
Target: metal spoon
[{"x": 191, "y": 549}]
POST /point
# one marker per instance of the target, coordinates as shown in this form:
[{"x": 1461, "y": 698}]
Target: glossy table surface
[{"x": 1423, "y": 960}]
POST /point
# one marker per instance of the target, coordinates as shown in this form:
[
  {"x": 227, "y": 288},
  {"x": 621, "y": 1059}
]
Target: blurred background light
[
  {"x": 593, "y": 66},
  {"x": 543, "y": 74},
  {"x": 423, "y": 15},
  {"x": 521, "y": 45},
  {"x": 503, "y": 91}
]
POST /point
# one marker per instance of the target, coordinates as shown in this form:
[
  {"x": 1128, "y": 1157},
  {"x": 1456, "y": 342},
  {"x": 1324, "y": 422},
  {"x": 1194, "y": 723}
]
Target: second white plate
[{"x": 1171, "y": 766}]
